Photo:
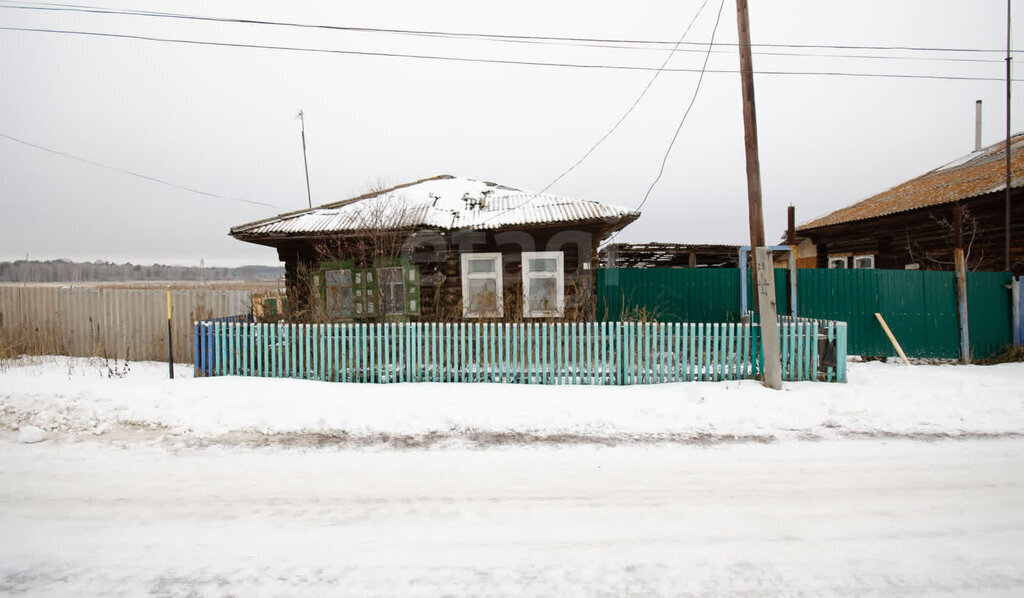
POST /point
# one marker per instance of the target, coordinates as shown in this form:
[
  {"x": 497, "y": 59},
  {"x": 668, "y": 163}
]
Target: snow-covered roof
[{"x": 442, "y": 202}]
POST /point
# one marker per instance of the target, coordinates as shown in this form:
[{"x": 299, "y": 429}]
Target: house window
[
  {"x": 864, "y": 262},
  {"x": 481, "y": 285},
  {"x": 338, "y": 294},
  {"x": 543, "y": 284},
  {"x": 837, "y": 263},
  {"x": 392, "y": 290}
]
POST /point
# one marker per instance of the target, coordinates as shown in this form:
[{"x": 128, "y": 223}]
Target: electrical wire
[
  {"x": 136, "y": 174},
  {"x": 490, "y": 60},
  {"x": 614, "y": 127},
  {"x": 51, "y": 6},
  {"x": 675, "y": 136}
]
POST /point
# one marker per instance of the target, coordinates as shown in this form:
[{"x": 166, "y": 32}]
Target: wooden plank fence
[{"x": 599, "y": 353}]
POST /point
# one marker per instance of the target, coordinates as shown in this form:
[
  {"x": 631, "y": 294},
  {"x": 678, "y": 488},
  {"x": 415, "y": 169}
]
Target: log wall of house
[
  {"x": 925, "y": 236},
  {"x": 439, "y": 255}
]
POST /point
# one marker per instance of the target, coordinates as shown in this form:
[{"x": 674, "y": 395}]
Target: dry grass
[
  {"x": 178, "y": 285},
  {"x": 25, "y": 340},
  {"x": 259, "y": 286},
  {"x": 1012, "y": 354}
]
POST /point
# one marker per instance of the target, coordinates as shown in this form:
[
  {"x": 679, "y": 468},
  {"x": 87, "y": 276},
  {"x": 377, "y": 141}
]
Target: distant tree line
[{"x": 100, "y": 271}]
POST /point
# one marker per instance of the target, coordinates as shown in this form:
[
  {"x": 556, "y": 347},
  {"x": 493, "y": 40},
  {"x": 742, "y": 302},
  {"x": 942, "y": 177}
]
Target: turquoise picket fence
[{"x": 606, "y": 353}]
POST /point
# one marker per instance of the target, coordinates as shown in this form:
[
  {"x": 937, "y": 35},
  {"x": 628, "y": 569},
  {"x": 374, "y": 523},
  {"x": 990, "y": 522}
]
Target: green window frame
[{"x": 391, "y": 289}]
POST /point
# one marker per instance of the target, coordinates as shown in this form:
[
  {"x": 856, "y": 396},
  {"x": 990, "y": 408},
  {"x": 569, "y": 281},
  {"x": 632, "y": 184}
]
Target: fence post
[
  {"x": 961, "y": 302},
  {"x": 1018, "y": 307},
  {"x": 195, "y": 349}
]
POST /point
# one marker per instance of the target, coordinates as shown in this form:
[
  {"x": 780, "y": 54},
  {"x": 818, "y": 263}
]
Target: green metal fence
[
  {"x": 678, "y": 294},
  {"x": 618, "y": 353},
  {"x": 989, "y": 312},
  {"x": 919, "y": 306}
]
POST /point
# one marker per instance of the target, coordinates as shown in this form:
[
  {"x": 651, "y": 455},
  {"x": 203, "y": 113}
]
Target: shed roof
[
  {"x": 441, "y": 202},
  {"x": 978, "y": 173}
]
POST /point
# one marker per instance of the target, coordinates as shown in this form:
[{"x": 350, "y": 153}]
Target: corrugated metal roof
[
  {"x": 977, "y": 173},
  {"x": 442, "y": 202}
]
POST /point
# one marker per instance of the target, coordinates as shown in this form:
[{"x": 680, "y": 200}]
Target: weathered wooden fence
[
  {"x": 617, "y": 353},
  {"x": 122, "y": 323}
]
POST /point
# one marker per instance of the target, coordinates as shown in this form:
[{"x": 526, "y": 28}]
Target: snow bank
[
  {"x": 74, "y": 397},
  {"x": 30, "y": 435}
]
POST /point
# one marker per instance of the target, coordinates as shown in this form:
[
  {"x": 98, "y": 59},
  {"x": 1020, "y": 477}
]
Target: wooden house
[
  {"x": 914, "y": 225},
  {"x": 441, "y": 249}
]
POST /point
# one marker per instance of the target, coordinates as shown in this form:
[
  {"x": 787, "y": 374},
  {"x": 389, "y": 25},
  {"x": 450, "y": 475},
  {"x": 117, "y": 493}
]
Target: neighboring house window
[
  {"x": 837, "y": 263},
  {"x": 543, "y": 284},
  {"x": 864, "y": 262},
  {"x": 481, "y": 285},
  {"x": 338, "y": 294}
]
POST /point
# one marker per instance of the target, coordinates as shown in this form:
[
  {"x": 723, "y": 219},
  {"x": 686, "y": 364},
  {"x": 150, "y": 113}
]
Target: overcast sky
[{"x": 222, "y": 119}]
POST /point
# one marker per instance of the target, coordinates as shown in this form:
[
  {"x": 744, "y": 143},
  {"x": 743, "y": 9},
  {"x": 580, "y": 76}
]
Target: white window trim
[
  {"x": 833, "y": 260},
  {"x": 558, "y": 275},
  {"x": 496, "y": 276},
  {"x": 860, "y": 257}
]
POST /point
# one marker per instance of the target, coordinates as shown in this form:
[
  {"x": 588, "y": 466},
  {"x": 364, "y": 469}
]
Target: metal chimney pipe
[{"x": 977, "y": 125}]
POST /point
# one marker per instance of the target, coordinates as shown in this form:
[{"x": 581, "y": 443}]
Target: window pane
[
  {"x": 339, "y": 293},
  {"x": 392, "y": 290},
  {"x": 336, "y": 277},
  {"x": 481, "y": 265},
  {"x": 483, "y": 297},
  {"x": 394, "y": 298},
  {"x": 543, "y": 294},
  {"x": 544, "y": 264},
  {"x": 339, "y": 301}
]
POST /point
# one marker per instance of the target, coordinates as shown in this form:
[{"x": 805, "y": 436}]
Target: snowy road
[{"x": 793, "y": 518}]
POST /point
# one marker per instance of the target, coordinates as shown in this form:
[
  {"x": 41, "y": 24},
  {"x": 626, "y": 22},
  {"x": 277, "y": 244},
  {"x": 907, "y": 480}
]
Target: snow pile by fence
[{"x": 73, "y": 398}]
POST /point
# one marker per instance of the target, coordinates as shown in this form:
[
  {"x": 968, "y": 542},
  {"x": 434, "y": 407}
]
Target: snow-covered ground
[
  {"x": 904, "y": 482},
  {"x": 72, "y": 398},
  {"x": 847, "y": 518}
]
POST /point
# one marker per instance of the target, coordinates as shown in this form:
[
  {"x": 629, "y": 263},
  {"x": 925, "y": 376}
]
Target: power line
[
  {"x": 614, "y": 127},
  {"x": 136, "y": 174},
  {"x": 644, "y": 45},
  {"x": 466, "y": 59},
  {"x": 51, "y": 6},
  {"x": 675, "y": 136}
]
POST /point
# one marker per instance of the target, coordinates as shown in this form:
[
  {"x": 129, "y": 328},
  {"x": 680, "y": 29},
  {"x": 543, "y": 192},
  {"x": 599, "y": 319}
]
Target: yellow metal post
[{"x": 170, "y": 343}]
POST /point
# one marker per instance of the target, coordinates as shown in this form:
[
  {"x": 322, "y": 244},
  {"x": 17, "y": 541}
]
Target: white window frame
[
  {"x": 861, "y": 257},
  {"x": 837, "y": 260},
  {"x": 496, "y": 276},
  {"x": 558, "y": 275}
]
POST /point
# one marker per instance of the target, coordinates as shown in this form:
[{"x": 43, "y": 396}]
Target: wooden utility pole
[
  {"x": 764, "y": 267},
  {"x": 1006, "y": 256},
  {"x": 961, "y": 283},
  {"x": 302, "y": 121}
]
